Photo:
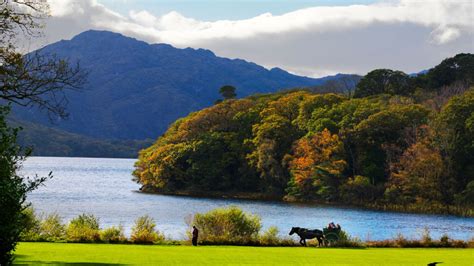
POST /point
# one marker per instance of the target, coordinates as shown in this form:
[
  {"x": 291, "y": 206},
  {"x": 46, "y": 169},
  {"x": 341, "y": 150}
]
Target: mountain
[
  {"x": 339, "y": 83},
  {"x": 135, "y": 90}
]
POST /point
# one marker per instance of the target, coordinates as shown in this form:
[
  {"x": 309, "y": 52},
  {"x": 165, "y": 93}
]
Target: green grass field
[{"x": 107, "y": 254}]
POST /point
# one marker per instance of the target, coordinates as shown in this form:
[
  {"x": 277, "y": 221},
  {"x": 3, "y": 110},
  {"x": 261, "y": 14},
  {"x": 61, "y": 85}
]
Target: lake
[{"x": 104, "y": 188}]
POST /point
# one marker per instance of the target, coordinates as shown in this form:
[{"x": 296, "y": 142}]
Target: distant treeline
[
  {"x": 48, "y": 141},
  {"x": 400, "y": 142}
]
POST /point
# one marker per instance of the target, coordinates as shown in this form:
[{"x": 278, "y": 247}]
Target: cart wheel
[{"x": 331, "y": 238}]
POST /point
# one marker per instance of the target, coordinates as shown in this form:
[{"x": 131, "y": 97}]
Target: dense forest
[{"x": 398, "y": 142}]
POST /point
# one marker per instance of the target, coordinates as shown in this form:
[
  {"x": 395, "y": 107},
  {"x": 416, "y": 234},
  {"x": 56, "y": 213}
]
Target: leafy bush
[
  {"x": 31, "y": 228},
  {"x": 227, "y": 226},
  {"x": 52, "y": 228},
  {"x": 113, "y": 234},
  {"x": 270, "y": 237},
  {"x": 84, "y": 228},
  {"x": 445, "y": 241},
  {"x": 143, "y": 232},
  {"x": 345, "y": 240}
]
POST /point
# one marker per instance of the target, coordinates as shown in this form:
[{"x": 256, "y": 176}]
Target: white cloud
[
  {"x": 443, "y": 34},
  {"x": 446, "y": 28}
]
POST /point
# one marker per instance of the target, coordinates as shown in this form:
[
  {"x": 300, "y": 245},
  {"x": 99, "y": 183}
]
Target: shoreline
[{"x": 455, "y": 211}]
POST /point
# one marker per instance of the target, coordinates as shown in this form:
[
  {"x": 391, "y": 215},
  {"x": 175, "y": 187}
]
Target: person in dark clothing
[{"x": 195, "y": 236}]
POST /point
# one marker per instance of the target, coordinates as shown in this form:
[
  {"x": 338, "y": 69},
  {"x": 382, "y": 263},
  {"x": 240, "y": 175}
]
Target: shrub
[
  {"x": 31, "y": 225},
  {"x": 445, "y": 241},
  {"x": 270, "y": 237},
  {"x": 52, "y": 228},
  {"x": 143, "y": 232},
  {"x": 345, "y": 240},
  {"x": 84, "y": 228},
  {"x": 470, "y": 243},
  {"x": 227, "y": 226},
  {"x": 113, "y": 234},
  {"x": 426, "y": 239},
  {"x": 400, "y": 240}
]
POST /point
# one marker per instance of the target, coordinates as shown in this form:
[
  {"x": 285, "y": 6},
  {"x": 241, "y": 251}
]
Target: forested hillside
[
  {"x": 47, "y": 141},
  {"x": 401, "y": 142}
]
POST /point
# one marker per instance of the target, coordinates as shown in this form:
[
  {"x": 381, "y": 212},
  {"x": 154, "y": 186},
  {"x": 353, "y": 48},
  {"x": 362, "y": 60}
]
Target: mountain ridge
[{"x": 135, "y": 89}]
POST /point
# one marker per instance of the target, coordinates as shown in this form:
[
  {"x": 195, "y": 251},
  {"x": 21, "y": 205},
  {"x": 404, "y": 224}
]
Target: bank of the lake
[
  {"x": 104, "y": 188},
  {"x": 412, "y": 208},
  {"x": 104, "y": 254}
]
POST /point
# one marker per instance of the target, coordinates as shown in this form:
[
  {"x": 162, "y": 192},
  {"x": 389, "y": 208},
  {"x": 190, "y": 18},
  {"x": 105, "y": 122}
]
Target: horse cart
[{"x": 331, "y": 235}]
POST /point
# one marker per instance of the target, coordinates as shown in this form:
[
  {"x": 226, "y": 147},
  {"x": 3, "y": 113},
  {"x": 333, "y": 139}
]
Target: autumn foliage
[
  {"x": 383, "y": 150},
  {"x": 317, "y": 166}
]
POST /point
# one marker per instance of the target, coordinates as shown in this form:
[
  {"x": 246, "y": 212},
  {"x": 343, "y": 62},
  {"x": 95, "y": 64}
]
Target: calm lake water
[{"x": 104, "y": 188}]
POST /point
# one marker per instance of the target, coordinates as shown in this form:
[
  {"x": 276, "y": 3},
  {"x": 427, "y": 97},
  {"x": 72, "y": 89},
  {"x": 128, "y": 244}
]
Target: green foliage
[
  {"x": 49, "y": 228},
  {"x": 48, "y": 141},
  {"x": 113, "y": 234},
  {"x": 227, "y": 226},
  {"x": 459, "y": 68},
  {"x": 32, "y": 225},
  {"x": 13, "y": 190},
  {"x": 345, "y": 240},
  {"x": 389, "y": 149},
  {"x": 227, "y": 92},
  {"x": 466, "y": 197},
  {"x": 383, "y": 81},
  {"x": 52, "y": 228},
  {"x": 270, "y": 237},
  {"x": 143, "y": 232},
  {"x": 83, "y": 228},
  {"x": 454, "y": 137},
  {"x": 358, "y": 190}
]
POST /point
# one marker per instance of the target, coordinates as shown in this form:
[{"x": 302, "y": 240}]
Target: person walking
[{"x": 195, "y": 236}]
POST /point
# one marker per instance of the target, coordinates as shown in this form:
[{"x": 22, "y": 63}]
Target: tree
[
  {"x": 454, "y": 135},
  {"x": 202, "y": 152},
  {"x": 357, "y": 190},
  {"x": 459, "y": 68},
  {"x": 38, "y": 80},
  {"x": 273, "y": 138},
  {"x": 28, "y": 80},
  {"x": 417, "y": 177},
  {"x": 227, "y": 92},
  {"x": 383, "y": 131},
  {"x": 383, "y": 81},
  {"x": 13, "y": 190},
  {"x": 316, "y": 166}
]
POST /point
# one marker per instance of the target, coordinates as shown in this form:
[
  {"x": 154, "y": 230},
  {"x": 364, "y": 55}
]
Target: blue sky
[{"x": 211, "y": 10}]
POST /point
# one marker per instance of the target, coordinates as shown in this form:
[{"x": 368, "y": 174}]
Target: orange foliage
[
  {"x": 321, "y": 151},
  {"x": 417, "y": 176}
]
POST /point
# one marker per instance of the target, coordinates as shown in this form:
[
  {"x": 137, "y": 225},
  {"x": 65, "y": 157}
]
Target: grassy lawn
[{"x": 105, "y": 254}]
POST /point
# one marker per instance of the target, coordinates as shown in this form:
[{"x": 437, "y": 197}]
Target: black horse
[{"x": 304, "y": 234}]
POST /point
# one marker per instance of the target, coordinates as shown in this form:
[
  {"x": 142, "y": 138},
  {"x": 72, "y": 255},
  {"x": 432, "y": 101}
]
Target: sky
[
  {"x": 212, "y": 10},
  {"x": 312, "y": 38}
]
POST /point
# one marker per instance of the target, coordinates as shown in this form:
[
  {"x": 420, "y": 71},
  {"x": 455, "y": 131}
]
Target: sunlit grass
[{"x": 62, "y": 253}]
